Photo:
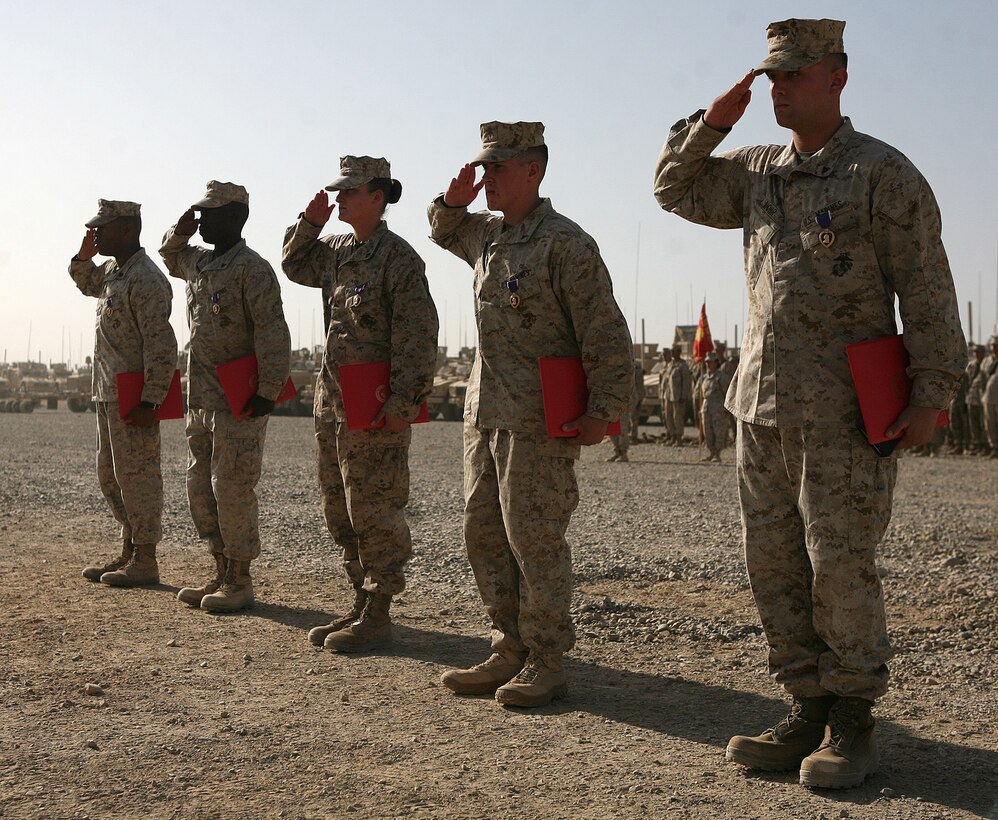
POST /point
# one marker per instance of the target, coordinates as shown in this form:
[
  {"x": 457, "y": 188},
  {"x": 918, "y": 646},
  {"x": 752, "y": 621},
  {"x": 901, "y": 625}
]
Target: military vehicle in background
[{"x": 446, "y": 399}]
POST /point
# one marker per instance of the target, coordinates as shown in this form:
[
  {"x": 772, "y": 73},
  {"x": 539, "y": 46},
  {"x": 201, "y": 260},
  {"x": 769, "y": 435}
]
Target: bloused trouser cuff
[
  {"x": 224, "y": 466},
  {"x": 364, "y": 483},
  {"x": 520, "y": 492},
  {"x": 129, "y": 474},
  {"x": 815, "y": 505}
]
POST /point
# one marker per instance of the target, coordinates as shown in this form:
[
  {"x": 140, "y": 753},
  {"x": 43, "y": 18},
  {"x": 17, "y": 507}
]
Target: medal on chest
[
  {"x": 109, "y": 306},
  {"x": 514, "y": 298},
  {"x": 826, "y": 236},
  {"x": 354, "y": 301},
  {"x": 216, "y": 308}
]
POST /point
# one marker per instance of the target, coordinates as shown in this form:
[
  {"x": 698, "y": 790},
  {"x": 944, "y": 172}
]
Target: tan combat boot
[
  {"x": 140, "y": 570},
  {"x": 374, "y": 628},
  {"x": 93, "y": 573},
  {"x": 317, "y": 635},
  {"x": 541, "y": 681},
  {"x": 193, "y": 595},
  {"x": 483, "y": 678},
  {"x": 782, "y": 748},
  {"x": 236, "y": 591},
  {"x": 848, "y": 754}
]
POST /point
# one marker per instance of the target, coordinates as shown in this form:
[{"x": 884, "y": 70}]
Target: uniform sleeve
[
  {"x": 414, "y": 333},
  {"x": 89, "y": 278},
  {"x": 180, "y": 257},
  {"x": 693, "y": 184},
  {"x": 459, "y": 232},
  {"x": 151, "y": 298},
  {"x": 907, "y": 238},
  {"x": 306, "y": 260},
  {"x": 271, "y": 337},
  {"x": 586, "y": 293}
]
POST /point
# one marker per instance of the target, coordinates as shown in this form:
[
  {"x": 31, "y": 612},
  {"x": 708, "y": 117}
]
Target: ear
[
  {"x": 534, "y": 172},
  {"x": 838, "y": 80}
]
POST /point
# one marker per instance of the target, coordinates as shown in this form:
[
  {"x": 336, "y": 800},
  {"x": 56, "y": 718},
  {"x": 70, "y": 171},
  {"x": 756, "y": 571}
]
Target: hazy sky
[{"x": 147, "y": 101}]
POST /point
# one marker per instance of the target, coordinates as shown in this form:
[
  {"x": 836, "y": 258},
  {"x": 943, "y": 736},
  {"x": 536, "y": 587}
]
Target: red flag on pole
[{"x": 702, "y": 343}]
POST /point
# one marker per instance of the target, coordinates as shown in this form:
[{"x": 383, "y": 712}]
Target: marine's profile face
[
  {"x": 359, "y": 205},
  {"x": 209, "y": 222},
  {"x": 507, "y": 184},
  {"x": 110, "y": 236},
  {"x": 807, "y": 95}
]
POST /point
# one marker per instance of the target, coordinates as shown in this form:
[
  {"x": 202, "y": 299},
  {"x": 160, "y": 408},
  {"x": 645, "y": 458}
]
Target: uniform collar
[
  {"x": 121, "y": 271},
  {"x": 365, "y": 250},
  {"x": 525, "y": 230},
  {"x": 821, "y": 163},
  {"x": 226, "y": 258}
]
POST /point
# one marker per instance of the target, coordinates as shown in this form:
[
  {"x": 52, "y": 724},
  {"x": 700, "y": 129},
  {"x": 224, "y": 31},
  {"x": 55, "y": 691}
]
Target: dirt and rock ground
[{"x": 238, "y": 716}]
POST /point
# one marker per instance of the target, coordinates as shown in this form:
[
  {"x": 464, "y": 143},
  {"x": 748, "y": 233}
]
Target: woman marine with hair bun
[{"x": 378, "y": 309}]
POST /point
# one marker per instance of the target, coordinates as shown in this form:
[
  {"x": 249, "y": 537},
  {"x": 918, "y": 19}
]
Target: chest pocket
[{"x": 843, "y": 229}]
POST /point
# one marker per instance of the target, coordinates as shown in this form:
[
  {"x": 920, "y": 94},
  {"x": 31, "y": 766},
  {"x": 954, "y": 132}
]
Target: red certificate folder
[
  {"x": 565, "y": 395},
  {"x": 130, "y": 394},
  {"x": 365, "y": 389},
  {"x": 880, "y": 372},
  {"x": 240, "y": 380}
]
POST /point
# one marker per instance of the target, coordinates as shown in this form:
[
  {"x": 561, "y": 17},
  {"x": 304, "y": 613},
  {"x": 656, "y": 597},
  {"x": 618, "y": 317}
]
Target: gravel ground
[{"x": 223, "y": 716}]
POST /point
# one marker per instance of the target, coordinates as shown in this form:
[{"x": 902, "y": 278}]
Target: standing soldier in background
[
  {"x": 629, "y": 422},
  {"x": 133, "y": 334},
  {"x": 835, "y": 226},
  {"x": 541, "y": 289},
  {"x": 975, "y": 412},
  {"x": 663, "y": 379},
  {"x": 678, "y": 388},
  {"x": 958, "y": 431},
  {"x": 637, "y": 397},
  {"x": 711, "y": 389},
  {"x": 380, "y": 311},
  {"x": 234, "y": 309},
  {"x": 987, "y": 380}
]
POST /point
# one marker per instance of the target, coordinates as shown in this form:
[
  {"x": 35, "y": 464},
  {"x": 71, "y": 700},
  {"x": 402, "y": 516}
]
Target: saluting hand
[
  {"x": 727, "y": 109},
  {"x": 88, "y": 248},
  {"x": 463, "y": 189},
  {"x": 187, "y": 225},
  {"x": 318, "y": 211}
]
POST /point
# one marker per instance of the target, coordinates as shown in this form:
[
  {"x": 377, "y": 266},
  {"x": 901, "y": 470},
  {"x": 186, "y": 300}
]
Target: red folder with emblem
[
  {"x": 365, "y": 388},
  {"x": 880, "y": 373},
  {"x": 130, "y": 387},
  {"x": 240, "y": 380},
  {"x": 565, "y": 395}
]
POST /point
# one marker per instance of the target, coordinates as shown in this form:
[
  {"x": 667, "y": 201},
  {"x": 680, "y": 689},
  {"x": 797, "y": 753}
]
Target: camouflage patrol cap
[
  {"x": 712, "y": 357},
  {"x": 109, "y": 210},
  {"x": 504, "y": 140},
  {"x": 221, "y": 193},
  {"x": 795, "y": 44},
  {"x": 355, "y": 171}
]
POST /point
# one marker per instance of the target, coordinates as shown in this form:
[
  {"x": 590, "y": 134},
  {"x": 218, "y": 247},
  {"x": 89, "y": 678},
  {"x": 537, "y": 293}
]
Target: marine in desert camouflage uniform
[
  {"x": 380, "y": 308},
  {"x": 133, "y": 334},
  {"x": 710, "y": 392},
  {"x": 234, "y": 309},
  {"x": 834, "y": 226},
  {"x": 978, "y": 440},
  {"x": 541, "y": 289}
]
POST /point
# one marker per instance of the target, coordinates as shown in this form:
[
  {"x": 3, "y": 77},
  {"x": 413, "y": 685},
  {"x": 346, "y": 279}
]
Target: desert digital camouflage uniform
[
  {"x": 133, "y": 333},
  {"x": 975, "y": 412},
  {"x": 677, "y": 387},
  {"x": 815, "y": 497},
  {"x": 987, "y": 379},
  {"x": 541, "y": 289},
  {"x": 380, "y": 310},
  {"x": 711, "y": 390},
  {"x": 234, "y": 309},
  {"x": 959, "y": 420}
]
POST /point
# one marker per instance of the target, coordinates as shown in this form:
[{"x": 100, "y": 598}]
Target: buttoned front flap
[{"x": 762, "y": 230}]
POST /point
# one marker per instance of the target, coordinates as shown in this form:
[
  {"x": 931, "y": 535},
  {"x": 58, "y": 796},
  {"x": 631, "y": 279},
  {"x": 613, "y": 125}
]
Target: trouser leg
[
  {"x": 137, "y": 473},
  {"x": 236, "y": 465},
  {"x": 200, "y": 494},
  {"x": 105, "y": 470},
  {"x": 334, "y": 503}
]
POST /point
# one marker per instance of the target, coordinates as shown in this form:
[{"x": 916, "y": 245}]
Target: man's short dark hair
[
  {"x": 538, "y": 154},
  {"x": 839, "y": 60}
]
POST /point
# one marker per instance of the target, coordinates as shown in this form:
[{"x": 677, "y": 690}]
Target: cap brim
[
  {"x": 210, "y": 202},
  {"x": 347, "y": 183},
  {"x": 98, "y": 220},
  {"x": 496, "y": 155},
  {"x": 788, "y": 61}
]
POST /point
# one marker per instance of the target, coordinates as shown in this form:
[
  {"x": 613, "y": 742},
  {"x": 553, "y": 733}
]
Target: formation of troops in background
[{"x": 837, "y": 226}]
